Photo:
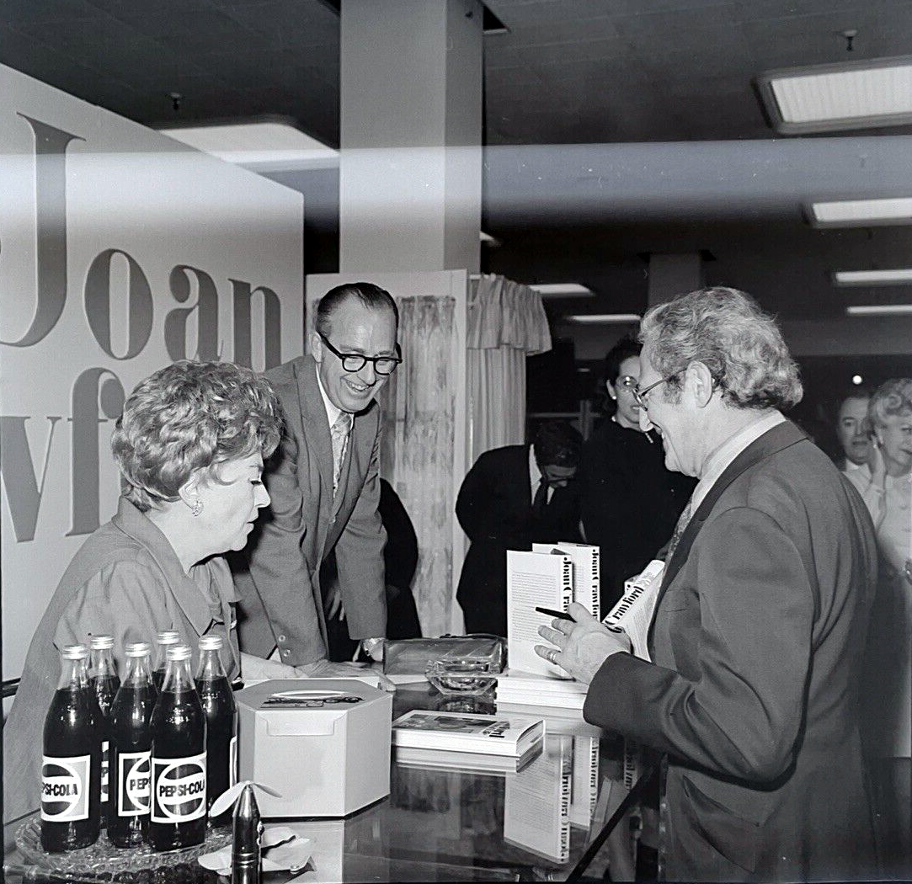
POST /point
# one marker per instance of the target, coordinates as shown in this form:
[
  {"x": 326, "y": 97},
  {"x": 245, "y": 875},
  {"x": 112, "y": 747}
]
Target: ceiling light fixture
[
  {"x": 899, "y": 276},
  {"x": 563, "y": 290},
  {"x": 603, "y": 318},
  {"x": 268, "y": 144},
  {"x": 861, "y": 213},
  {"x": 488, "y": 240},
  {"x": 850, "y": 95},
  {"x": 880, "y": 310}
]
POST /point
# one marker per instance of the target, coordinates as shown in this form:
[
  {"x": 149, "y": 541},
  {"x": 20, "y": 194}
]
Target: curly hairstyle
[
  {"x": 891, "y": 398},
  {"x": 191, "y": 416},
  {"x": 727, "y": 331}
]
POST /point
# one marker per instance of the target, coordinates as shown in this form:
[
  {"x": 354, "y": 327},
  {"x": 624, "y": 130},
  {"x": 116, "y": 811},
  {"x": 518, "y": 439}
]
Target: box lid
[{"x": 313, "y": 694}]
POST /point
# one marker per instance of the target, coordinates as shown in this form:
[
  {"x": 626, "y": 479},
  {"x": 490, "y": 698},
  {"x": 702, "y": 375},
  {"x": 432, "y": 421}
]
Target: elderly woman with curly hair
[
  {"x": 190, "y": 447},
  {"x": 885, "y": 484}
]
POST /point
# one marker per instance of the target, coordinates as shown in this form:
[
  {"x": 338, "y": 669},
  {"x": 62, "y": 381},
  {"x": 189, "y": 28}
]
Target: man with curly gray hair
[{"x": 752, "y": 689}]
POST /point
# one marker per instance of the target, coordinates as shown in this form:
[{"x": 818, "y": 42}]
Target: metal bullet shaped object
[{"x": 245, "y": 846}]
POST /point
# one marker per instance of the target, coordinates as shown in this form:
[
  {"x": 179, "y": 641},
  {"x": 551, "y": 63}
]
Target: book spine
[
  {"x": 596, "y": 583},
  {"x": 593, "y": 774},
  {"x": 626, "y": 603},
  {"x": 566, "y": 587},
  {"x": 565, "y": 790},
  {"x": 631, "y": 764}
]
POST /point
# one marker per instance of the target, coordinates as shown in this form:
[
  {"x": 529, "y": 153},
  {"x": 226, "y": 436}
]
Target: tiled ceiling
[
  {"x": 568, "y": 71},
  {"x": 582, "y": 72}
]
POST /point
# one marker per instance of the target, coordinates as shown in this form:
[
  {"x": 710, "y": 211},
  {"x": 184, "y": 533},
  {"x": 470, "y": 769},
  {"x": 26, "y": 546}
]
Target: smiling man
[
  {"x": 756, "y": 642},
  {"x": 324, "y": 485}
]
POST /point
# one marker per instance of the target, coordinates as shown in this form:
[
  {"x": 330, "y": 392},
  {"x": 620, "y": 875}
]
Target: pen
[{"x": 561, "y": 615}]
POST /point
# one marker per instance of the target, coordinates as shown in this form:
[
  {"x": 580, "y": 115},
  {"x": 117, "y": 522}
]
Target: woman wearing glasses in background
[{"x": 630, "y": 502}]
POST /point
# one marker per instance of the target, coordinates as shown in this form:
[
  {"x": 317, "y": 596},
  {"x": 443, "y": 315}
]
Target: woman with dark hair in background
[{"x": 630, "y": 502}]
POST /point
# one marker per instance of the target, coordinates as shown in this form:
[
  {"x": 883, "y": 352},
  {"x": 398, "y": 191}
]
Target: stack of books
[
  {"x": 552, "y": 692},
  {"x": 468, "y": 742}
]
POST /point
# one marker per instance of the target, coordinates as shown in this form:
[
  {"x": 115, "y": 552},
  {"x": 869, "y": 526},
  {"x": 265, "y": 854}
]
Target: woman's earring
[{"x": 197, "y": 507}]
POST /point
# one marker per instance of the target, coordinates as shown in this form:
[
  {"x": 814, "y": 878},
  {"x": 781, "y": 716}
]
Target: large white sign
[{"x": 120, "y": 251}]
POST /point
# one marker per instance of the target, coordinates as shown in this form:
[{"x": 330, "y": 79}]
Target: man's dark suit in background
[{"x": 494, "y": 508}]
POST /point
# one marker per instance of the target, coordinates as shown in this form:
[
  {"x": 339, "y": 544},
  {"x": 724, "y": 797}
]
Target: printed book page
[
  {"x": 534, "y": 580},
  {"x": 585, "y": 568}
]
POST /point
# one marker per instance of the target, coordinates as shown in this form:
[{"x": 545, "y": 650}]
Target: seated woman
[{"x": 190, "y": 446}]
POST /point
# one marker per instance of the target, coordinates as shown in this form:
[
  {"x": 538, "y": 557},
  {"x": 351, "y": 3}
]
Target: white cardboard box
[{"x": 324, "y": 760}]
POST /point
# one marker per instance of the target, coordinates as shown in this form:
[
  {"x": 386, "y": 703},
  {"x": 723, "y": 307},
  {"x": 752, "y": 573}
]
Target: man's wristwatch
[{"x": 368, "y": 645}]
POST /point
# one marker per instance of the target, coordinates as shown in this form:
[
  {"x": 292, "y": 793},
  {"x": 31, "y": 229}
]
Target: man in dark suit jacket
[
  {"x": 324, "y": 485},
  {"x": 758, "y": 633},
  {"x": 512, "y": 497}
]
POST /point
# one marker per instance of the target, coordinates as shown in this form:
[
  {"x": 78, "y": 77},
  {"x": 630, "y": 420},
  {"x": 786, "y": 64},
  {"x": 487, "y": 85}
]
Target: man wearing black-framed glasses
[{"x": 325, "y": 490}]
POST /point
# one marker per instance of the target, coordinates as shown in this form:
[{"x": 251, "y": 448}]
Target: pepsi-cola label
[
  {"x": 135, "y": 783},
  {"x": 65, "y": 788},
  {"x": 178, "y": 789}
]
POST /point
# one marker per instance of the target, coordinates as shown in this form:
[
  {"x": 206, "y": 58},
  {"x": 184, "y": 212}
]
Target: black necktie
[{"x": 540, "y": 501}]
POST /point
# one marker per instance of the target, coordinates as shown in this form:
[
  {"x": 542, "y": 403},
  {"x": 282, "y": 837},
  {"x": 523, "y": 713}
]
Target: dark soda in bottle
[
  {"x": 166, "y": 639},
  {"x": 178, "y": 812},
  {"x": 221, "y": 722},
  {"x": 71, "y": 765},
  {"x": 103, "y": 675},
  {"x": 131, "y": 750}
]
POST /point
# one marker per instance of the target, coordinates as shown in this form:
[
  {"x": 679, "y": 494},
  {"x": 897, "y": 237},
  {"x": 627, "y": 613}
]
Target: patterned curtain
[
  {"x": 418, "y": 445},
  {"x": 507, "y": 322}
]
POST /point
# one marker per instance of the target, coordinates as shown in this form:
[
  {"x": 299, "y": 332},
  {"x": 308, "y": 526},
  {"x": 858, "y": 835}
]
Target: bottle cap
[
  {"x": 211, "y": 643},
  {"x": 168, "y": 637},
  {"x": 138, "y": 649},
  {"x": 101, "y": 642},
  {"x": 178, "y": 652},
  {"x": 75, "y": 652}
]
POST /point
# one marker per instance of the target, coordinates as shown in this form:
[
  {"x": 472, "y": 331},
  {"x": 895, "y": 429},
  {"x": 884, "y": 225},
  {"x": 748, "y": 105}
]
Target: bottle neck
[
  {"x": 161, "y": 657},
  {"x": 177, "y": 677},
  {"x": 103, "y": 664},
  {"x": 74, "y": 675},
  {"x": 210, "y": 666},
  {"x": 138, "y": 672}
]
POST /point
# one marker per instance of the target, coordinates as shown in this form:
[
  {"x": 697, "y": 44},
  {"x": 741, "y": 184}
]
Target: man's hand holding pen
[{"x": 582, "y": 643}]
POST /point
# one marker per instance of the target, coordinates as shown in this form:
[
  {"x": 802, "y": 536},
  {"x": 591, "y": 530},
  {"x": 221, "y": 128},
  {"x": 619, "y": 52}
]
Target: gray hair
[
  {"x": 892, "y": 397},
  {"x": 191, "y": 416},
  {"x": 727, "y": 331}
]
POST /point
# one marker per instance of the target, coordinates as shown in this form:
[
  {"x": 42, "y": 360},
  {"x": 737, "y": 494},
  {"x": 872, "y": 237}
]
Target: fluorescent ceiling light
[
  {"x": 900, "y": 276},
  {"x": 852, "y": 95},
  {"x": 880, "y": 310},
  {"x": 266, "y": 143},
  {"x": 563, "y": 290},
  {"x": 489, "y": 240},
  {"x": 861, "y": 213},
  {"x": 603, "y": 318}
]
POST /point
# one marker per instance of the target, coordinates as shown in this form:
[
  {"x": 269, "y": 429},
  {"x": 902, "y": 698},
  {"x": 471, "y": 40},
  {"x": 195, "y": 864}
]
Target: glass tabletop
[{"x": 447, "y": 820}]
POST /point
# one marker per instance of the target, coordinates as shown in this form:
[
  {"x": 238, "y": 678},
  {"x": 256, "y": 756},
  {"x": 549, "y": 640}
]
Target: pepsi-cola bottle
[
  {"x": 165, "y": 639},
  {"x": 221, "y": 722},
  {"x": 131, "y": 750},
  {"x": 178, "y": 811},
  {"x": 71, "y": 766},
  {"x": 103, "y": 675}
]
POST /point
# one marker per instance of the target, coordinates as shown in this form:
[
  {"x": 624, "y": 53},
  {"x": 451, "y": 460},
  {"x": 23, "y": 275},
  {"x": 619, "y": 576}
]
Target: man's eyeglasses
[
  {"x": 640, "y": 395},
  {"x": 352, "y": 362}
]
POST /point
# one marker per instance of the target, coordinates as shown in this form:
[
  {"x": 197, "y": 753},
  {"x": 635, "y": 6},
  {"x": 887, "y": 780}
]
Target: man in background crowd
[
  {"x": 324, "y": 484},
  {"x": 757, "y": 640},
  {"x": 511, "y": 498},
  {"x": 853, "y": 429}
]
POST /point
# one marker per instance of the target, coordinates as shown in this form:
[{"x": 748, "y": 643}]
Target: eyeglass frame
[
  {"x": 640, "y": 395},
  {"x": 396, "y": 360}
]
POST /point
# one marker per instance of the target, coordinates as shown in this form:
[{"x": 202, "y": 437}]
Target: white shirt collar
[
  {"x": 720, "y": 460},
  {"x": 332, "y": 413}
]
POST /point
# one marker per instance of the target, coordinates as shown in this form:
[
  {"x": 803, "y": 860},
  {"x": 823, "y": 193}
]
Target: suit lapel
[
  {"x": 779, "y": 437},
  {"x": 316, "y": 426}
]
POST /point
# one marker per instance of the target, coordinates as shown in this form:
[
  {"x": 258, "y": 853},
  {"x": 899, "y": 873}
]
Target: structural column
[{"x": 410, "y": 136}]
